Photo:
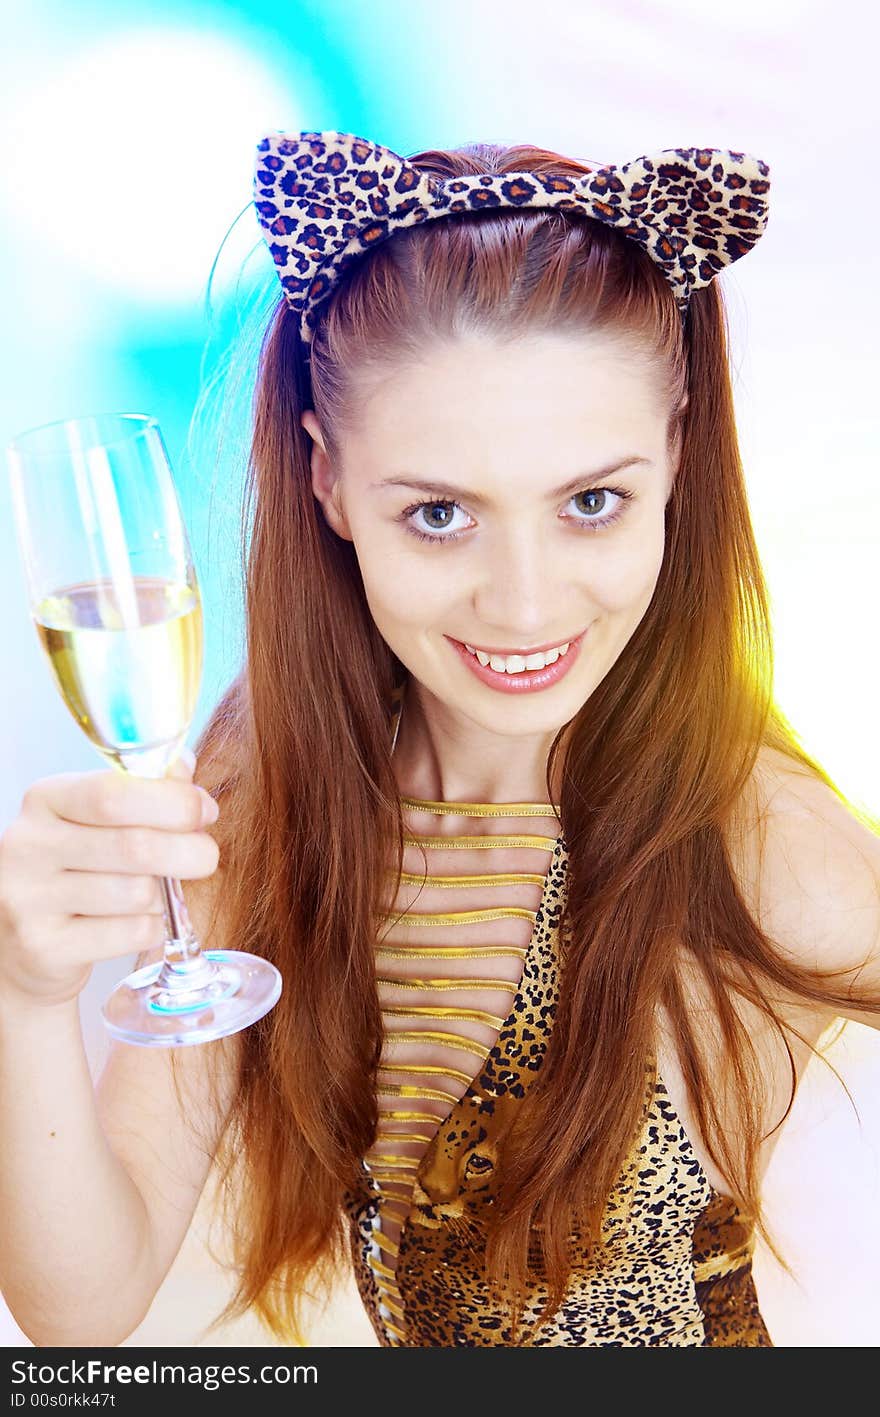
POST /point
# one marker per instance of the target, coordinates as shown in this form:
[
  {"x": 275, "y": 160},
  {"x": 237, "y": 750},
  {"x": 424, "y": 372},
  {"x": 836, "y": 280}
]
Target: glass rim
[{"x": 145, "y": 420}]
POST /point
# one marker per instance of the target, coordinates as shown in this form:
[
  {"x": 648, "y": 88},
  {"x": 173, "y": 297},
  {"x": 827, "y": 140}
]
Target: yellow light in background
[{"x": 824, "y": 598}]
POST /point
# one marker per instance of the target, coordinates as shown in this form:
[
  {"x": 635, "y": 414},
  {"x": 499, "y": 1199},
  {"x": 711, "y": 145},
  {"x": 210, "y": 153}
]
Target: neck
[{"x": 441, "y": 758}]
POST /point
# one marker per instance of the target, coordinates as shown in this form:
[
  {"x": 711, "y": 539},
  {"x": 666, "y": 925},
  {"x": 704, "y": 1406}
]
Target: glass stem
[{"x": 184, "y": 966}]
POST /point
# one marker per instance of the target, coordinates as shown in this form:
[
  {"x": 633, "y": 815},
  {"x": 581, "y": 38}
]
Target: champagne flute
[{"x": 116, "y": 604}]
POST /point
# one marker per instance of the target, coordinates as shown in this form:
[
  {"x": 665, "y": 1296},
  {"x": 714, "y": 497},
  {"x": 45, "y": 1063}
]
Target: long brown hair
[{"x": 298, "y": 753}]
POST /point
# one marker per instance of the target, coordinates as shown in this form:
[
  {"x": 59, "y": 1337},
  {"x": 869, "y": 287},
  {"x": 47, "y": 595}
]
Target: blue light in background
[{"x": 129, "y": 136}]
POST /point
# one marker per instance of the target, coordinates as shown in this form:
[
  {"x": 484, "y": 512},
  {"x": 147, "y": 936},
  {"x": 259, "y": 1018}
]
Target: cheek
[
  {"x": 623, "y": 582},
  {"x": 408, "y": 591}
]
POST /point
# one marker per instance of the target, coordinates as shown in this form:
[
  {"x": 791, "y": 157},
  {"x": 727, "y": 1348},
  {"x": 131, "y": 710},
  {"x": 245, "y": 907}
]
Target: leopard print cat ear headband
[{"x": 324, "y": 199}]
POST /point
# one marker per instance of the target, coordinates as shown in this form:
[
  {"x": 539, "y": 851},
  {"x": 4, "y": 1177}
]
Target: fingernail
[{"x": 210, "y": 808}]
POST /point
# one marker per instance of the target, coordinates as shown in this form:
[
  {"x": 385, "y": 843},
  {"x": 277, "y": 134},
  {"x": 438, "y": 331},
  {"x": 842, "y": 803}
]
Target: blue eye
[{"x": 590, "y": 523}]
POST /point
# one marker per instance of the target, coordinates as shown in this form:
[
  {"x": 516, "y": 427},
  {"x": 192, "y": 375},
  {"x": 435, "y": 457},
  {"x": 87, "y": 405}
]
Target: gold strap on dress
[
  {"x": 387, "y": 1287},
  {"x": 466, "y": 917},
  {"x": 402, "y": 1089},
  {"x": 453, "y": 951},
  {"x": 383, "y": 1134},
  {"x": 389, "y": 1246},
  {"x": 381, "y": 1268},
  {"x": 429, "y": 1070},
  {"x": 389, "y": 1300},
  {"x": 506, "y": 984},
  {"x": 393, "y": 1202},
  {"x": 507, "y": 878},
  {"x": 393, "y": 1171},
  {"x": 450, "y": 1040},
  {"x": 391, "y": 1161},
  {"x": 481, "y": 809},
  {"x": 404, "y": 1190},
  {"x": 465, "y": 1015},
  {"x": 387, "y": 1115},
  {"x": 478, "y": 843}
]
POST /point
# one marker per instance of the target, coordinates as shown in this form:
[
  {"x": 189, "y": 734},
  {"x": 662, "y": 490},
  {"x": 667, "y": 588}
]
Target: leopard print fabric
[
  {"x": 675, "y": 1267},
  {"x": 323, "y": 199}
]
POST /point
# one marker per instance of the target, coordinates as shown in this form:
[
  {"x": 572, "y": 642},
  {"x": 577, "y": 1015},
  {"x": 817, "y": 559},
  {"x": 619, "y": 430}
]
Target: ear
[
  {"x": 674, "y": 450},
  {"x": 325, "y": 479}
]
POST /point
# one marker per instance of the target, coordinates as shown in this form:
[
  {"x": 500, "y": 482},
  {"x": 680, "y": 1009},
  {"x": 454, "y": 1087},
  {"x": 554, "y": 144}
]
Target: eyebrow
[{"x": 447, "y": 489}]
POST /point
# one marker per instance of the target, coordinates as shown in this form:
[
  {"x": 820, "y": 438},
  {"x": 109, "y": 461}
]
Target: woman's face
[{"x": 478, "y": 492}]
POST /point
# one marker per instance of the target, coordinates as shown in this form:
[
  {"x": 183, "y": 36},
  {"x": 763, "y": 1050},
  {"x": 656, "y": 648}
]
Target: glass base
[{"x": 244, "y": 988}]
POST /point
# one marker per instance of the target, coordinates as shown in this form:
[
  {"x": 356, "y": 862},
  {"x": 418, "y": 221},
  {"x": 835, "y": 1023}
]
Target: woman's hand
[{"x": 79, "y": 868}]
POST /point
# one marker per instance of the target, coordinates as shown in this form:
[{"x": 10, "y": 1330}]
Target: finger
[
  {"x": 109, "y": 936},
  {"x": 139, "y": 851},
  {"x": 102, "y": 893},
  {"x": 123, "y": 799},
  {"x": 184, "y": 765}
]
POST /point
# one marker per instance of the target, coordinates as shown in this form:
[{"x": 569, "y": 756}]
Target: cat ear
[
  {"x": 322, "y": 199},
  {"x": 694, "y": 210}
]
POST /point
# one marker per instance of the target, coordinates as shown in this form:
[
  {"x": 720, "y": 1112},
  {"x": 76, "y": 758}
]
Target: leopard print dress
[{"x": 675, "y": 1266}]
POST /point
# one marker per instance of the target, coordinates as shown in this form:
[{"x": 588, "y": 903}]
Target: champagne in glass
[{"x": 116, "y": 605}]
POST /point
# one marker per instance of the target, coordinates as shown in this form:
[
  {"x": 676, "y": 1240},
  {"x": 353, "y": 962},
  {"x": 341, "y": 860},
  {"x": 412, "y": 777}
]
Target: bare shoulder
[{"x": 809, "y": 869}]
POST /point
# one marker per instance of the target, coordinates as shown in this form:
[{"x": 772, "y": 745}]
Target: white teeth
[{"x": 516, "y": 663}]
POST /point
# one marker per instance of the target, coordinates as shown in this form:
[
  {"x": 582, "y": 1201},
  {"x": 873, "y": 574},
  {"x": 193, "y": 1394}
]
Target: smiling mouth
[{"x": 520, "y": 661}]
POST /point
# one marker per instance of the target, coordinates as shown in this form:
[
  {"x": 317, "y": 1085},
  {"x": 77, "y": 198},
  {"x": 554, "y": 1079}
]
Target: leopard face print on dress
[
  {"x": 323, "y": 199},
  {"x": 674, "y": 1269}
]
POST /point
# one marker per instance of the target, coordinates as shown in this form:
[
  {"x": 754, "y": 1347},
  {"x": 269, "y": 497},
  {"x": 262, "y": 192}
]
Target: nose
[{"x": 518, "y": 596}]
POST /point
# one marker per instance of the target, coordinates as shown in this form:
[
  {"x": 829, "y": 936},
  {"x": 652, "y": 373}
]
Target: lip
[
  {"x": 530, "y": 680},
  {"x": 535, "y": 649}
]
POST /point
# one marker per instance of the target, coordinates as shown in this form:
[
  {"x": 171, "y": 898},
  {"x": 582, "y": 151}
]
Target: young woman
[{"x": 561, "y": 906}]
